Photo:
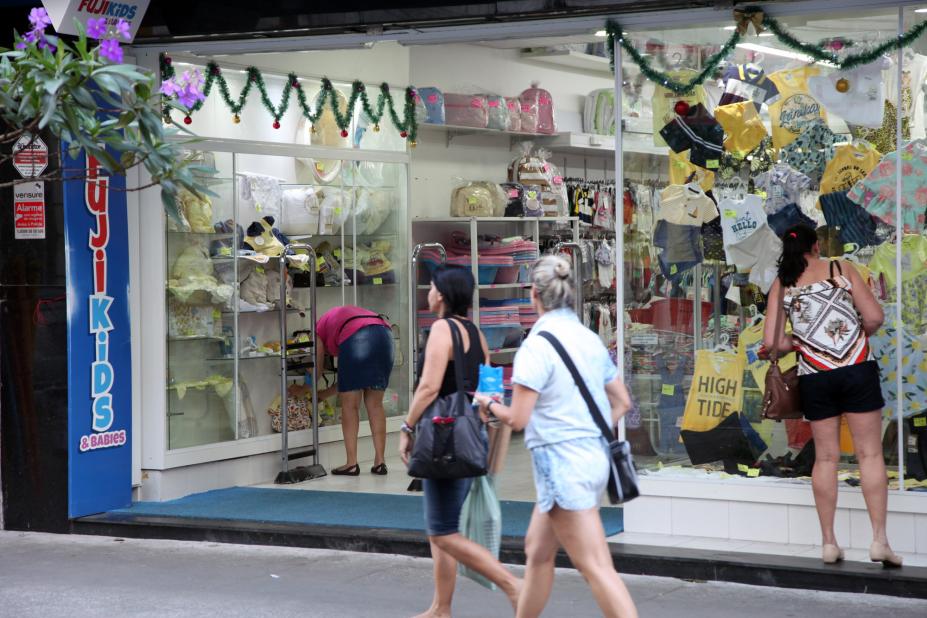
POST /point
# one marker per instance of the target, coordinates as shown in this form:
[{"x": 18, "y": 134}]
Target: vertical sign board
[{"x": 99, "y": 341}]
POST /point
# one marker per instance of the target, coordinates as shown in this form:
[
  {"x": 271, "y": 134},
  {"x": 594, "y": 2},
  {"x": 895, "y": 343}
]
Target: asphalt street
[{"x": 76, "y": 576}]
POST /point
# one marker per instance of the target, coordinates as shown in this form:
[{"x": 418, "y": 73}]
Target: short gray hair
[{"x": 553, "y": 282}]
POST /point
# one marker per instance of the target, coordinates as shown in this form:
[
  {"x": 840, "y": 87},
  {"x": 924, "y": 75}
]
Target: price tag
[
  {"x": 226, "y": 251},
  {"x": 920, "y": 422},
  {"x": 712, "y": 164},
  {"x": 216, "y": 314},
  {"x": 472, "y": 200},
  {"x": 377, "y": 280},
  {"x": 668, "y": 390},
  {"x": 753, "y": 472},
  {"x": 320, "y": 166},
  {"x": 338, "y": 210},
  {"x": 673, "y": 269},
  {"x": 730, "y": 213},
  {"x": 319, "y": 262},
  {"x": 742, "y": 468},
  {"x": 259, "y": 270}
]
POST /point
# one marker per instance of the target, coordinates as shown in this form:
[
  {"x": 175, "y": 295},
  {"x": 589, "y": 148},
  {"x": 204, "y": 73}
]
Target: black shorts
[{"x": 856, "y": 388}]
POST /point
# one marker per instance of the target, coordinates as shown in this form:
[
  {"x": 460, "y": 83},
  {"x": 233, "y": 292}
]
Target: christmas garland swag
[
  {"x": 824, "y": 51},
  {"x": 406, "y": 125}
]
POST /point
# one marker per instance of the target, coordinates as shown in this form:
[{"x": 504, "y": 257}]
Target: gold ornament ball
[
  {"x": 236, "y": 119},
  {"x": 376, "y": 128},
  {"x": 413, "y": 143},
  {"x": 313, "y": 128},
  {"x": 842, "y": 85}
]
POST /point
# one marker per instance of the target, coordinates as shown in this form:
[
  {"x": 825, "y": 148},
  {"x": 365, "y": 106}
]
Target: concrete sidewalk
[{"x": 77, "y": 576}]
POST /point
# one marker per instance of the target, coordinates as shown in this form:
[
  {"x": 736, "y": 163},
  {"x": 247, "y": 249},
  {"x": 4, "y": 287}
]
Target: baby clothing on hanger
[
  {"x": 856, "y": 95},
  {"x": 748, "y": 82},
  {"x": 795, "y": 106},
  {"x": 787, "y": 217},
  {"x": 758, "y": 253},
  {"x": 883, "y": 138},
  {"x": 664, "y": 102},
  {"x": 740, "y": 218},
  {"x": 742, "y": 125},
  {"x": 783, "y": 185},
  {"x": 855, "y": 225},
  {"x": 809, "y": 152},
  {"x": 681, "y": 170},
  {"x": 686, "y": 205},
  {"x": 849, "y": 165},
  {"x": 699, "y": 133},
  {"x": 877, "y": 192}
]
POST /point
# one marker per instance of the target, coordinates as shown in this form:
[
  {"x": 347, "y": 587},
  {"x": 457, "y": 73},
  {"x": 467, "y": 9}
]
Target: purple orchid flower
[
  {"x": 39, "y": 19},
  {"x": 122, "y": 29},
  {"x": 96, "y": 28},
  {"x": 111, "y": 50}
]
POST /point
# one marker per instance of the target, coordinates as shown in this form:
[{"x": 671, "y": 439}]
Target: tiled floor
[{"x": 514, "y": 483}]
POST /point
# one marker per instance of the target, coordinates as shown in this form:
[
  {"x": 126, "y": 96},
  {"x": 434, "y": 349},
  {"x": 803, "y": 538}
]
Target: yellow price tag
[
  {"x": 320, "y": 166},
  {"x": 259, "y": 270},
  {"x": 743, "y": 468},
  {"x": 216, "y": 314},
  {"x": 849, "y": 247},
  {"x": 729, "y": 213},
  {"x": 377, "y": 281},
  {"x": 753, "y": 472},
  {"x": 920, "y": 422},
  {"x": 712, "y": 164},
  {"x": 673, "y": 269},
  {"x": 319, "y": 262},
  {"x": 225, "y": 251},
  {"x": 668, "y": 389},
  {"x": 338, "y": 211},
  {"x": 472, "y": 200}
]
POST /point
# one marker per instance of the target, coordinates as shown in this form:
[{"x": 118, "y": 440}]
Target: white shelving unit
[{"x": 437, "y": 229}]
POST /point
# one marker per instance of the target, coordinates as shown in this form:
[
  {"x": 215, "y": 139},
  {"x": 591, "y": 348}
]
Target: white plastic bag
[{"x": 481, "y": 522}]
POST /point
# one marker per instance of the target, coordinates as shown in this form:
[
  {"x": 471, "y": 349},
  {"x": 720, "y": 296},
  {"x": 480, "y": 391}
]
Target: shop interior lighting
[
  {"x": 924, "y": 10},
  {"x": 782, "y": 53}
]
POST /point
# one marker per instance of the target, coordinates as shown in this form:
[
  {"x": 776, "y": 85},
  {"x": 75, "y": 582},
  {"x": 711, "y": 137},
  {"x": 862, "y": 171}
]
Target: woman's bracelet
[{"x": 406, "y": 428}]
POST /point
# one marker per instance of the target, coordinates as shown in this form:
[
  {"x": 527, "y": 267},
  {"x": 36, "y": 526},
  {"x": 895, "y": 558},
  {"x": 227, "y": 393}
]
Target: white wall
[{"x": 474, "y": 68}]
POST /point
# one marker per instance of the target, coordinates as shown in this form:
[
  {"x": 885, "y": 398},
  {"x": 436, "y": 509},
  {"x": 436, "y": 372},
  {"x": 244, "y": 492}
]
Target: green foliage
[{"x": 88, "y": 103}]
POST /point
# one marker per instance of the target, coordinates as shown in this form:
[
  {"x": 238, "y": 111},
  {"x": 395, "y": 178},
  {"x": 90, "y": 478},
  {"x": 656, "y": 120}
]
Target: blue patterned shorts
[{"x": 572, "y": 474}]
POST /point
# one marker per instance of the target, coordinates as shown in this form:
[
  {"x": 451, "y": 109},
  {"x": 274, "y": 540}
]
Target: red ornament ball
[
  {"x": 167, "y": 60},
  {"x": 403, "y": 134},
  {"x": 276, "y": 124},
  {"x": 836, "y": 45},
  {"x": 187, "y": 120},
  {"x": 344, "y": 132},
  {"x": 681, "y": 108}
]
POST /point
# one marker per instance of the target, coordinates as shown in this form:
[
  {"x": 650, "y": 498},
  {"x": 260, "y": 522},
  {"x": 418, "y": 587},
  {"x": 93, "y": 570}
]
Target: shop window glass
[{"x": 715, "y": 177}]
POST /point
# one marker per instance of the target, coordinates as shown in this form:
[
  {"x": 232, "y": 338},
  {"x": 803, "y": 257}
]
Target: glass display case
[{"x": 223, "y": 286}]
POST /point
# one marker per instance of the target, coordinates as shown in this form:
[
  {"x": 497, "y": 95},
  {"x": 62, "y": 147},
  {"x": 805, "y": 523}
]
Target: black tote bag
[{"x": 450, "y": 439}]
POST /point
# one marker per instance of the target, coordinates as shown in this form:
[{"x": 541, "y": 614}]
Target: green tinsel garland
[
  {"x": 818, "y": 52},
  {"x": 407, "y": 125}
]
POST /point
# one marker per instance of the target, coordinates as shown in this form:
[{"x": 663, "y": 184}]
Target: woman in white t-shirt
[{"x": 568, "y": 452}]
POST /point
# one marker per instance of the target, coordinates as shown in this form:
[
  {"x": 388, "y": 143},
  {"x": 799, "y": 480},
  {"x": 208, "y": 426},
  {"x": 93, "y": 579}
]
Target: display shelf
[
  {"x": 591, "y": 144},
  {"x": 244, "y": 357},
  {"x": 212, "y": 235},
  {"x": 451, "y": 131},
  {"x": 494, "y": 219},
  {"x": 571, "y": 60},
  {"x": 273, "y": 311},
  {"x": 194, "y": 338}
]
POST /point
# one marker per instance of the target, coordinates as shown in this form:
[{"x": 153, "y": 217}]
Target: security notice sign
[
  {"x": 29, "y": 210},
  {"x": 30, "y": 155}
]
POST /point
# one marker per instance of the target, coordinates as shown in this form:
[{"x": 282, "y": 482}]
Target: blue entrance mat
[{"x": 330, "y": 508}]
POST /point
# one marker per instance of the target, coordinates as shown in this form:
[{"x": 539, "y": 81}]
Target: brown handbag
[{"x": 781, "y": 401}]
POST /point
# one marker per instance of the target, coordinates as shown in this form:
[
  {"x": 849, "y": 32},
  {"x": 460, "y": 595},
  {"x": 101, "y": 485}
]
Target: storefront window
[{"x": 716, "y": 176}]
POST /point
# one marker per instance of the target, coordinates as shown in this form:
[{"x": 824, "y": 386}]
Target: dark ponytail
[{"x": 796, "y": 242}]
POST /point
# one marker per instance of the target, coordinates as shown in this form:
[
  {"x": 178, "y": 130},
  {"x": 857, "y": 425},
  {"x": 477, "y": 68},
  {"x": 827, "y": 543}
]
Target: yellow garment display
[
  {"x": 913, "y": 259},
  {"x": 795, "y": 106},
  {"x": 716, "y": 391},
  {"x": 681, "y": 169},
  {"x": 664, "y": 102},
  {"x": 849, "y": 165},
  {"x": 748, "y": 347},
  {"x": 742, "y": 126}
]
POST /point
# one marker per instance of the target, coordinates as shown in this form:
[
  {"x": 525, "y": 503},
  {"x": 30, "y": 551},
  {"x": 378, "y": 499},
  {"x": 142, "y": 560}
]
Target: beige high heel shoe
[
  {"x": 881, "y": 552},
  {"x": 831, "y": 554}
]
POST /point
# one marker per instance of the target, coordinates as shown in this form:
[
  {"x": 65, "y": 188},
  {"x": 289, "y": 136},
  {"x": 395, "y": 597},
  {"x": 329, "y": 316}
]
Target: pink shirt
[{"x": 333, "y": 328}]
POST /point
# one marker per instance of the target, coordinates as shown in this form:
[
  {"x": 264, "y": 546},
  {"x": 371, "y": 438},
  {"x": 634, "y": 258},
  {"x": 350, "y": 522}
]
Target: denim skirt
[
  {"x": 572, "y": 474},
  {"x": 365, "y": 359}
]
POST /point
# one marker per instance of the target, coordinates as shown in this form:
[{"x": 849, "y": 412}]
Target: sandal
[
  {"x": 348, "y": 471},
  {"x": 379, "y": 469}
]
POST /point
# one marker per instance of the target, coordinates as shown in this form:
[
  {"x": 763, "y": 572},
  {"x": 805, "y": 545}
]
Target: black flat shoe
[
  {"x": 379, "y": 469},
  {"x": 349, "y": 471}
]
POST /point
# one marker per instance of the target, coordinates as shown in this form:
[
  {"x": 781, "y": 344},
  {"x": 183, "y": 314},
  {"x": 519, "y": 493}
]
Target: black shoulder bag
[
  {"x": 622, "y": 482},
  {"x": 450, "y": 439}
]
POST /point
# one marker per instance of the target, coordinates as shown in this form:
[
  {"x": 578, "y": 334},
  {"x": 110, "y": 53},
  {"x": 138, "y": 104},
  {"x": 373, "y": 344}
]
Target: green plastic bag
[{"x": 481, "y": 522}]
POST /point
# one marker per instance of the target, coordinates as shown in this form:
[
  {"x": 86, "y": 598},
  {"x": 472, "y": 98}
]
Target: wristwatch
[{"x": 406, "y": 428}]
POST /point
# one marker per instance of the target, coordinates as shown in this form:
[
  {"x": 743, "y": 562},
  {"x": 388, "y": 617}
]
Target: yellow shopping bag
[
  {"x": 748, "y": 347},
  {"x": 716, "y": 392}
]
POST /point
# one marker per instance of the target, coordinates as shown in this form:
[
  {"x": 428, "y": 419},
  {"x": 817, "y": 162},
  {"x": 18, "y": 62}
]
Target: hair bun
[{"x": 562, "y": 268}]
